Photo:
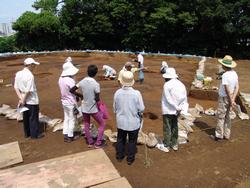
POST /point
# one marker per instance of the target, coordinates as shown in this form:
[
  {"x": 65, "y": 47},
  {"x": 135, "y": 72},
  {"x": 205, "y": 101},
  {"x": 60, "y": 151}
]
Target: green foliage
[
  {"x": 37, "y": 31},
  {"x": 205, "y": 27},
  {"x": 7, "y": 44}
]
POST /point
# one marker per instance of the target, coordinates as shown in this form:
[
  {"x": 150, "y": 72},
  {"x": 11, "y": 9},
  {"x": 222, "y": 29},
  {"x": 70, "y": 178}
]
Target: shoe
[
  {"x": 175, "y": 147},
  {"x": 38, "y": 137},
  {"x": 130, "y": 162},
  {"x": 119, "y": 159},
  {"x": 102, "y": 145},
  {"x": 215, "y": 138},
  {"x": 162, "y": 148}
]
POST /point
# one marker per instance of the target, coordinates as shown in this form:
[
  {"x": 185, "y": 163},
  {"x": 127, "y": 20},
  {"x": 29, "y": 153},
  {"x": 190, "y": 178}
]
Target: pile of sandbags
[
  {"x": 246, "y": 97},
  {"x": 10, "y": 113},
  {"x": 148, "y": 139},
  {"x": 198, "y": 81}
]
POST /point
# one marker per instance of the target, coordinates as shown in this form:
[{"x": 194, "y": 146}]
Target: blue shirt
[{"x": 127, "y": 103}]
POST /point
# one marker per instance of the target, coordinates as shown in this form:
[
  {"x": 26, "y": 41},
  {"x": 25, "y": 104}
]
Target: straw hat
[
  {"x": 227, "y": 61},
  {"x": 29, "y": 61},
  {"x": 170, "y": 73},
  {"x": 69, "y": 69},
  {"x": 127, "y": 78}
]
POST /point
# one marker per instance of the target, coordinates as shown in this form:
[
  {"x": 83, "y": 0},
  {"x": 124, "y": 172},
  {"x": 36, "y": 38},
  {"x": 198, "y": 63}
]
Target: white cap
[
  {"x": 68, "y": 59},
  {"x": 30, "y": 61}
]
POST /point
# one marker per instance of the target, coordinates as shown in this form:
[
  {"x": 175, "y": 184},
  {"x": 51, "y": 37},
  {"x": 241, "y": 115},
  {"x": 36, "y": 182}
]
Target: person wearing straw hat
[
  {"x": 90, "y": 93},
  {"x": 228, "y": 91},
  {"x": 173, "y": 102},
  {"x": 128, "y": 106},
  {"x": 66, "y": 82},
  {"x": 26, "y": 91}
]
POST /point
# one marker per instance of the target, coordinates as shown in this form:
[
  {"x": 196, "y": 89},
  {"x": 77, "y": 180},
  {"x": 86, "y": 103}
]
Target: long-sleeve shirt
[
  {"x": 127, "y": 103},
  {"x": 174, "y": 96}
]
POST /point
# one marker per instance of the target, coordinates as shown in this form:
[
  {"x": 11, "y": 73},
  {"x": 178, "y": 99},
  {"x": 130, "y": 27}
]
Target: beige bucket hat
[{"x": 127, "y": 79}]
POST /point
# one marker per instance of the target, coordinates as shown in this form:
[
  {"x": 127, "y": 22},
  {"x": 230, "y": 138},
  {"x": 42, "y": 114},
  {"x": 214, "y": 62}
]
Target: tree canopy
[{"x": 204, "y": 27}]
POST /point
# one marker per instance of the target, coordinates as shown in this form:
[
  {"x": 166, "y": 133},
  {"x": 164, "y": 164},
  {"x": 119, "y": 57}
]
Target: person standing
[
  {"x": 66, "y": 82},
  {"x": 228, "y": 91},
  {"x": 26, "y": 91},
  {"x": 140, "y": 60},
  {"x": 174, "y": 100},
  {"x": 164, "y": 67},
  {"x": 128, "y": 106},
  {"x": 90, "y": 90}
]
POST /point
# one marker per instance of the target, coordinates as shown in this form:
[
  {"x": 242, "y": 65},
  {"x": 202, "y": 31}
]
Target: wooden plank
[
  {"x": 117, "y": 183},
  {"x": 78, "y": 170},
  {"x": 10, "y": 154}
]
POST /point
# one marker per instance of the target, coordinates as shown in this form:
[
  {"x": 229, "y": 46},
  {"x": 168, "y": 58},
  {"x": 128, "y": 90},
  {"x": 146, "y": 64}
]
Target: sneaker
[
  {"x": 162, "y": 148},
  {"x": 175, "y": 148},
  {"x": 215, "y": 138}
]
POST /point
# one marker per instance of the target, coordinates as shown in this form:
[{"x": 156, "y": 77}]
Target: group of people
[
  {"x": 128, "y": 104},
  {"x": 110, "y": 73}
]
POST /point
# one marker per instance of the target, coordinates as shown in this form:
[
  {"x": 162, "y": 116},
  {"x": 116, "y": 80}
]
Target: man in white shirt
[
  {"x": 140, "y": 60},
  {"x": 174, "y": 99},
  {"x": 26, "y": 91},
  {"x": 228, "y": 91},
  {"x": 128, "y": 106}
]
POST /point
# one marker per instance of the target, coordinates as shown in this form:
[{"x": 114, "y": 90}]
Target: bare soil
[{"x": 199, "y": 163}]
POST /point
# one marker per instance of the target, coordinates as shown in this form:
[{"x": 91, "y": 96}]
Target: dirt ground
[{"x": 199, "y": 163}]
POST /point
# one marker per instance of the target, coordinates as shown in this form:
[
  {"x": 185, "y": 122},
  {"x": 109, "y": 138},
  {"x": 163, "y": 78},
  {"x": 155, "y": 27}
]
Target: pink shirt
[{"x": 65, "y": 84}]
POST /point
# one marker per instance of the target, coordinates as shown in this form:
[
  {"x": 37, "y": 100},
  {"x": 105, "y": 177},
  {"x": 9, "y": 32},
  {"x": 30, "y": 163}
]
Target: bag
[
  {"x": 103, "y": 109},
  {"x": 75, "y": 111}
]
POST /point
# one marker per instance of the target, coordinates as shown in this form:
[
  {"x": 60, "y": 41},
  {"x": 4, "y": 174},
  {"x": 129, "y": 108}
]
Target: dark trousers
[
  {"x": 170, "y": 130},
  {"x": 121, "y": 141},
  {"x": 31, "y": 121}
]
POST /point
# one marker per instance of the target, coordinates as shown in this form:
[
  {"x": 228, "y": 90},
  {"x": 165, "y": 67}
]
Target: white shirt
[
  {"x": 127, "y": 103},
  {"x": 174, "y": 97},
  {"x": 229, "y": 78},
  {"x": 25, "y": 82},
  {"x": 140, "y": 59},
  {"x": 89, "y": 87},
  {"x": 109, "y": 71}
]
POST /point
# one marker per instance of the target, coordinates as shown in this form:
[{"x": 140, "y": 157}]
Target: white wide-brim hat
[
  {"x": 29, "y": 61},
  {"x": 227, "y": 61},
  {"x": 69, "y": 69},
  {"x": 170, "y": 73},
  {"x": 127, "y": 79}
]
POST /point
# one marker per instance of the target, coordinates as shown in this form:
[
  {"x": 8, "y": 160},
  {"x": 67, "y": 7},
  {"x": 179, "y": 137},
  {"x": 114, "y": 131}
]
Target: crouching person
[
  {"x": 174, "y": 98},
  {"x": 128, "y": 105},
  {"x": 66, "y": 82}
]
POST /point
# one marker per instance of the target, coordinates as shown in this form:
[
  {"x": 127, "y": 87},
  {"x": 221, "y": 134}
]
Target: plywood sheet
[
  {"x": 77, "y": 170},
  {"x": 117, "y": 183},
  {"x": 10, "y": 154}
]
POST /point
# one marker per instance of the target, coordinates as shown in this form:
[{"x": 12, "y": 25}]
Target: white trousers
[{"x": 69, "y": 120}]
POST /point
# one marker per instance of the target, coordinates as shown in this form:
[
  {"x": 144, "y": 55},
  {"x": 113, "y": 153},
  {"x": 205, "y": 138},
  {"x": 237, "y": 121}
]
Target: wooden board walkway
[
  {"x": 10, "y": 154},
  {"x": 83, "y": 169}
]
